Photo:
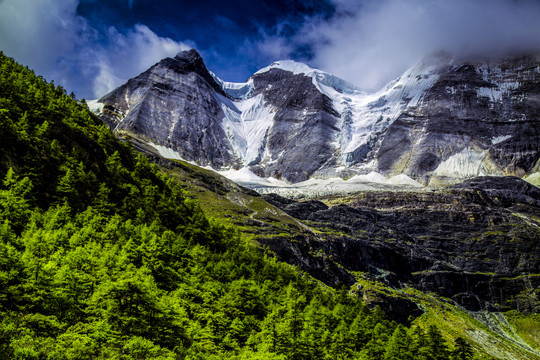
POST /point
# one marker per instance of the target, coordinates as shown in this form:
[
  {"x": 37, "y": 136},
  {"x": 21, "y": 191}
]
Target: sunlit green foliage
[{"x": 102, "y": 256}]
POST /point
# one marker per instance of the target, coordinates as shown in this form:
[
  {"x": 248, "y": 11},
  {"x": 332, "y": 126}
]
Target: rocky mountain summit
[
  {"x": 442, "y": 121},
  {"x": 173, "y": 105}
]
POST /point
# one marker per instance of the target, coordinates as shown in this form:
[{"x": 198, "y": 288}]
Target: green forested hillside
[{"x": 103, "y": 256}]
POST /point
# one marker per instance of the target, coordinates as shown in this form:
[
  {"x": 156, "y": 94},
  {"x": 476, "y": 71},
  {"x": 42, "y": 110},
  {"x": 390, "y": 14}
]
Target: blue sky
[
  {"x": 92, "y": 46},
  {"x": 234, "y": 37}
]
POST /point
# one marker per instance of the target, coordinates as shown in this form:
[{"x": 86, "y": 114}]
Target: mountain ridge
[{"x": 439, "y": 123}]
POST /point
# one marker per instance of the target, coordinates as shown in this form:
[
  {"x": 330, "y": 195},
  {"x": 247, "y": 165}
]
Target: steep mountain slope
[
  {"x": 298, "y": 138},
  {"x": 478, "y": 118},
  {"x": 442, "y": 121}
]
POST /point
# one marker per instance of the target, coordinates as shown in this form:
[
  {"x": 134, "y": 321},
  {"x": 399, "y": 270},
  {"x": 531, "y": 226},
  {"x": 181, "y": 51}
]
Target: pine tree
[
  {"x": 376, "y": 347},
  {"x": 462, "y": 350},
  {"x": 16, "y": 200},
  {"x": 437, "y": 347},
  {"x": 419, "y": 343},
  {"x": 398, "y": 347}
]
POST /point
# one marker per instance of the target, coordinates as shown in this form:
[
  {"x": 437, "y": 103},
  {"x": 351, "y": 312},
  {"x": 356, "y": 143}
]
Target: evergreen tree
[
  {"x": 437, "y": 347},
  {"x": 419, "y": 343},
  {"x": 398, "y": 347},
  {"x": 376, "y": 347},
  {"x": 462, "y": 350},
  {"x": 15, "y": 200}
]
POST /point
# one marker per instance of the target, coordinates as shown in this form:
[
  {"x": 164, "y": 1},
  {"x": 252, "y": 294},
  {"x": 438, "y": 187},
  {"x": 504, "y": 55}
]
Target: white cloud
[
  {"x": 49, "y": 36},
  {"x": 126, "y": 55},
  {"x": 105, "y": 80},
  {"x": 370, "y": 43},
  {"x": 26, "y": 28},
  {"x": 273, "y": 47},
  {"x": 367, "y": 42}
]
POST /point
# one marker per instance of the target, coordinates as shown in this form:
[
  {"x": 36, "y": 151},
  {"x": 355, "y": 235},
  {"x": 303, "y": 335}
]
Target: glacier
[{"x": 247, "y": 119}]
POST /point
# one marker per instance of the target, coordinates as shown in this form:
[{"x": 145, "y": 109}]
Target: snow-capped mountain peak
[
  {"x": 292, "y": 122},
  {"x": 289, "y": 65},
  {"x": 320, "y": 78}
]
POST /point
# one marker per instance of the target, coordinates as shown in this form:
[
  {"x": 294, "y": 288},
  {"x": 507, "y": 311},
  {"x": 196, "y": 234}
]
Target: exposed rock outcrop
[
  {"x": 476, "y": 243},
  {"x": 478, "y": 118},
  {"x": 299, "y": 141},
  {"x": 173, "y": 105}
]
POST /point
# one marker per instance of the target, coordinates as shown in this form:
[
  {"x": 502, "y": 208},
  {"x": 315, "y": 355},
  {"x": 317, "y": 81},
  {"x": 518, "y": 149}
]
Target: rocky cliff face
[
  {"x": 476, "y": 243},
  {"x": 299, "y": 140},
  {"x": 478, "y": 118},
  {"x": 442, "y": 121}
]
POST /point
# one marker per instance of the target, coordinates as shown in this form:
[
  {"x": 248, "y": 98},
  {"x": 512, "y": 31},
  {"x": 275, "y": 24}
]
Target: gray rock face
[
  {"x": 441, "y": 122},
  {"x": 299, "y": 141},
  {"x": 173, "y": 104},
  {"x": 476, "y": 243},
  {"x": 479, "y": 118}
]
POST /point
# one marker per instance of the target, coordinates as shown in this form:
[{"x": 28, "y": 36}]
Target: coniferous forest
[{"x": 104, "y": 256}]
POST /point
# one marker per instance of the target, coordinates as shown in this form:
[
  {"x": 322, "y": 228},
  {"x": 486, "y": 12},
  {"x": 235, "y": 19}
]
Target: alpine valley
[
  {"x": 415, "y": 194},
  {"x": 416, "y": 198},
  {"x": 292, "y": 216}
]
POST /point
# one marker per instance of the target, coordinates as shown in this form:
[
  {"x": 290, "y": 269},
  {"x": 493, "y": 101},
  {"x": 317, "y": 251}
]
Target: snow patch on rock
[
  {"x": 500, "y": 139},
  {"x": 493, "y": 94},
  {"x": 465, "y": 164},
  {"x": 95, "y": 106},
  {"x": 248, "y": 178},
  {"x": 166, "y": 152}
]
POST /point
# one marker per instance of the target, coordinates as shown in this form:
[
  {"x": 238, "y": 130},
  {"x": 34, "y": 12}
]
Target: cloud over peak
[
  {"x": 366, "y": 42},
  {"x": 369, "y": 43}
]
